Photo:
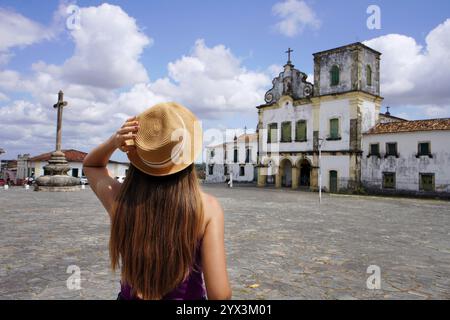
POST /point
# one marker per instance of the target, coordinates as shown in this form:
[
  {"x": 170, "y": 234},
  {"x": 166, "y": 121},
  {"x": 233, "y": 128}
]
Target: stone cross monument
[
  {"x": 59, "y": 105},
  {"x": 57, "y": 167}
]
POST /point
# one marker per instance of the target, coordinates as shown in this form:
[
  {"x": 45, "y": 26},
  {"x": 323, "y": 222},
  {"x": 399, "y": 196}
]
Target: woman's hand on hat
[{"x": 126, "y": 132}]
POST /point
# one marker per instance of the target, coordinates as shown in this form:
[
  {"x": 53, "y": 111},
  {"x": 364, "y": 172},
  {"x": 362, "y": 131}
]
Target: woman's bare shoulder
[{"x": 211, "y": 206}]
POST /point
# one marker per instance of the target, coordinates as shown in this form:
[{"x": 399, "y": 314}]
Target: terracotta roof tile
[
  {"x": 409, "y": 126},
  {"x": 71, "y": 156}
]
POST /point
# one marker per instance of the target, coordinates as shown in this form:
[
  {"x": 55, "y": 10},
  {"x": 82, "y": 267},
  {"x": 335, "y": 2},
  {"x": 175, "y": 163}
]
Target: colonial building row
[
  {"x": 27, "y": 166},
  {"x": 236, "y": 159},
  {"x": 338, "y": 117}
]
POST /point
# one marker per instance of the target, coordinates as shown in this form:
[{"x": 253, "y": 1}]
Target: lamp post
[
  {"x": 1, "y": 152},
  {"x": 320, "y": 142}
]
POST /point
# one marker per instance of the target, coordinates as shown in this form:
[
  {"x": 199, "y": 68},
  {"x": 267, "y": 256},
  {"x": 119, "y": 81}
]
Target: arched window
[
  {"x": 334, "y": 75},
  {"x": 369, "y": 75}
]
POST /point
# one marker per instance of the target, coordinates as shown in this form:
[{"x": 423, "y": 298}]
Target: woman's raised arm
[{"x": 94, "y": 165}]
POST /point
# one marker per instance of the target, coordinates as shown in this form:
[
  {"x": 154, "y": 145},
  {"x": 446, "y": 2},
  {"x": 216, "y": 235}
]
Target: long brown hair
[{"x": 155, "y": 229}]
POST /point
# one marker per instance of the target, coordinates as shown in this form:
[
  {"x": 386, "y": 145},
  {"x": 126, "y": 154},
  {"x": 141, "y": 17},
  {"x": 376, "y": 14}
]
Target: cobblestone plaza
[{"x": 281, "y": 244}]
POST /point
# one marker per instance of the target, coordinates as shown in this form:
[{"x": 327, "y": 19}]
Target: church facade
[
  {"x": 331, "y": 134},
  {"x": 300, "y": 117}
]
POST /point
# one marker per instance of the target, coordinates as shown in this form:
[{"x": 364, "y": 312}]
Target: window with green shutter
[
  {"x": 300, "y": 130},
  {"x": 389, "y": 180},
  {"x": 369, "y": 75},
  {"x": 391, "y": 149},
  {"x": 334, "y": 75},
  {"x": 374, "y": 149},
  {"x": 272, "y": 133},
  {"x": 286, "y": 132},
  {"x": 426, "y": 182},
  {"x": 235, "y": 155},
  {"x": 424, "y": 149},
  {"x": 334, "y": 129}
]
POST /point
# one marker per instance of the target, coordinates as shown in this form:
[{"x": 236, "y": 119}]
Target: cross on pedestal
[
  {"x": 59, "y": 105},
  {"x": 56, "y": 178},
  {"x": 289, "y": 54}
]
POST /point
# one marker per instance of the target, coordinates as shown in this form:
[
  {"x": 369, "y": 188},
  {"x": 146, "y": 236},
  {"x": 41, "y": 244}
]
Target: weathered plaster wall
[
  {"x": 370, "y": 58},
  {"x": 407, "y": 167},
  {"x": 351, "y": 61},
  {"x": 342, "y": 59},
  {"x": 368, "y": 115}
]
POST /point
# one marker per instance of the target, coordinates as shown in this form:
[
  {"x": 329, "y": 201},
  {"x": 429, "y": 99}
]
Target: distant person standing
[{"x": 230, "y": 182}]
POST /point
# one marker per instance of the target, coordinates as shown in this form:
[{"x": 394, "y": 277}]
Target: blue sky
[
  {"x": 244, "y": 26},
  {"x": 246, "y": 29}
]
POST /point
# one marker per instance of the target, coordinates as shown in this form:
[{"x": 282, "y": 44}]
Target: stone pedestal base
[
  {"x": 57, "y": 189},
  {"x": 57, "y": 183},
  {"x": 57, "y": 180}
]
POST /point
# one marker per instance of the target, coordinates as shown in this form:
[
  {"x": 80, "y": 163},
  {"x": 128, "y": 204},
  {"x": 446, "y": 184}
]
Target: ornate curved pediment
[{"x": 291, "y": 82}]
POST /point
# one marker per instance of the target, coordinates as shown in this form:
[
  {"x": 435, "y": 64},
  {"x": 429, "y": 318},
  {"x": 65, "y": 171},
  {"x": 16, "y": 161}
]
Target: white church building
[{"x": 338, "y": 116}]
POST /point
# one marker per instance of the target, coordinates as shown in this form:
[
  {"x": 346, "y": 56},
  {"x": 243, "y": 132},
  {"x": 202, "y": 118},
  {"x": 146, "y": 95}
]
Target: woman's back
[
  {"x": 194, "y": 287},
  {"x": 164, "y": 231}
]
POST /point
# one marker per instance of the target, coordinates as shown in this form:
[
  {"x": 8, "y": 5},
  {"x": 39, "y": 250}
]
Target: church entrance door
[
  {"x": 333, "y": 181},
  {"x": 286, "y": 173},
  {"x": 305, "y": 173}
]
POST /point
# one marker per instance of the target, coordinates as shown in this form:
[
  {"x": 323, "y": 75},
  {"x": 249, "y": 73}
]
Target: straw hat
[{"x": 169, "y": 139}]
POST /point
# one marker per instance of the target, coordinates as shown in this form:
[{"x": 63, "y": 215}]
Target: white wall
[
  {"x": 369, "y": 115},
  {"x": 115, "y": 169},
  {"x": 335, "y": 109},
  {"x": 287, "y": 112},
  {"x": 341, "y": 164},
  {"x": 218, "y": 161},
  {"x": 407, "y": 167},
  {"x": 75, "y": 165}
]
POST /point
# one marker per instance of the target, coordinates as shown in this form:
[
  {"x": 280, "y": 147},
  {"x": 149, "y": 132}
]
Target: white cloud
[
  {"x": 211, "y": 81},
  {"x": 274, "y": 70},
  {"x": 26, "y": 111},
  {"x": 106, "y": 57},
  {"x": 294, "y": 16},
  {"x": 433, "y": 111},
  {"x": 3, "y": 97},
  {"x": 412, "y": 74},
  {"x": 108, "y": 46},
  {"x": 17, "y": 30}
]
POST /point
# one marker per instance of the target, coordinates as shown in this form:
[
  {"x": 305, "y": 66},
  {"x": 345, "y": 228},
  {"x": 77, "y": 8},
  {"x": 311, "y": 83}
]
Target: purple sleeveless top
[{"x": 192, "y": 288}]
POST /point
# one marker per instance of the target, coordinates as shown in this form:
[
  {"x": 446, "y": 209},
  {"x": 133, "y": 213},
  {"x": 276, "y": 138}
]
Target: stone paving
[{"x": 280, "y": 244}]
